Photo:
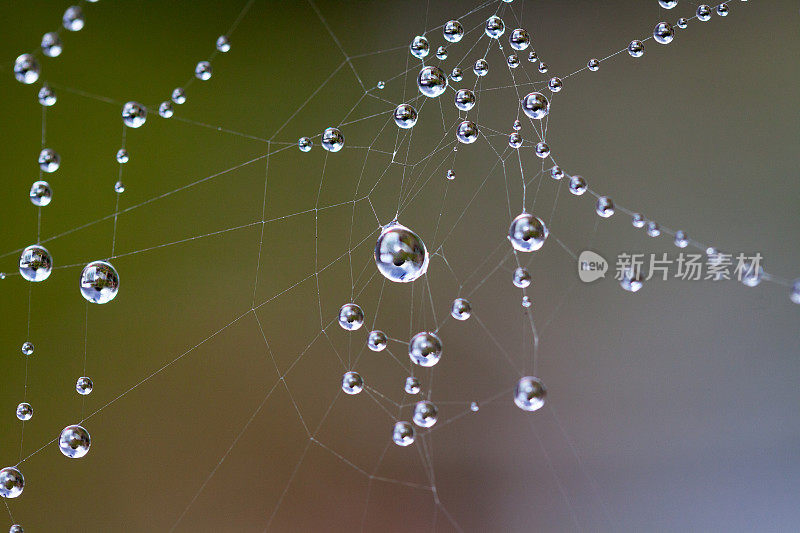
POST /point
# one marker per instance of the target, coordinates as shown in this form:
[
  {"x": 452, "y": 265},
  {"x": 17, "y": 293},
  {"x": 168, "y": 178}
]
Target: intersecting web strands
[{"x": 217, "y": 401}]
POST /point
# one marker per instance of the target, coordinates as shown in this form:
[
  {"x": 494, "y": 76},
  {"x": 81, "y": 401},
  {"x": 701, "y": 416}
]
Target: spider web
[{"x": 284, "y": 239}]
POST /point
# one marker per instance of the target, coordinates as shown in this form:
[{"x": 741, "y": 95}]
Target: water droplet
[
  {"x": 519, "y": 39},
  {"x": 122, "y": 156},
  {"x": 425, "y": 414},
  {"x": 542, "y": 150},
  {"x": 513, "y": 61},
  {"x": 26, "y": 69},
  {"x": 605, "y": 206},
  {"x": 46, "y": 96},
  {"x": 27, "y": 348},
  {"x": 11, "y": 482},
  {"x": 751, "y": 273},
  {"x": 332, "y": 139},
  {"x": 381, "y": 85},
  {"x": 453, "y": 31},
  {"x": 51, "y": 44},
  {"x": 165, "y": 110},
  {"x": 441, "y": 53},
  {"x": 481, "y": 67},
  {"x": 451, "y": 174},
  {"x": 403, "y": 434},
  {"x": 223, "y": 44},
  {"x": 515, "y": 140},
  {"x": 49, "y": 160},
  {"x": 461, "y": 309},
  {"x": 24, "y": 411},
  {"x": 351, "y": 317},
  {"x": 134, "y": 114},
  {"x": 631, "y": 279},
  {"x": 467, "y": 132},
  {"x": 405, "y": 116},
  {"x": 425, "y": 349},
  {"x": 530, "y": 393},
  {"x": 494, "y": 27},
  {"x": 377, "y": 340},
  {"x": 556, "y": 173},
  {"x": 73, "y": 19},
  {"x": 663, "y": 33},
  {"x": 35, "y": 263},
  {"x": 178, "y": 95},
  {"x": 517, "y": 125},
  {"x": 668, "y": 4},
  {"x": 636, "y": 48},
  {"x": 704, "y": 13},
  {"x": 119, "y": 187},
  {"x": 722, "y": 10},
  {"x": 99, "y": 282},
  {"x": 304, "y": 144},
  {"x": 521, "y": 278},
  {"x": 400, "y": 254},
  {"x": 474, "y": 407},
  {"x": 682, "y": 23},
  {"x": 41, "y": 194},
  {"x": 203, "y": 71},
  {"x": 532, "y": 57},
  {"x": 465, "y": 99},
  {"x": 419, "y": 47},
  {"x": 527, "y": 233},
  {"x": 652, "y": 229},
  {"x": 577, "y": 185},
  {"x": 412, "y": 385},
  {"x": 16, "y": 528},
  {"x": 637, "y": 220},
  {"x": 74, "y": 442},
  {"x": 794, "y": 293},
  {"x": 593, "y": 65},
  {"x": 555, "y": 84},
  {"x": 681, "y": 240},
  {"x": 456, "y": 74},
  {"x": 352, "y": 383},
  {"x": 84, "y": 386},
  {"x": 535, "y": 105},
  {"x": 543, "y": 67},
  {"x": 526, "y": 301}
]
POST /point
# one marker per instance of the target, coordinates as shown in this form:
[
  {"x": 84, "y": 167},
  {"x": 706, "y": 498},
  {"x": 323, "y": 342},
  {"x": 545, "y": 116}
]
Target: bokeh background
[{"x": 674, "y": 408}]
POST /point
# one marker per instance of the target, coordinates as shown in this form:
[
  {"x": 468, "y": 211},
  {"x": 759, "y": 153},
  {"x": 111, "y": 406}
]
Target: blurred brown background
[{"x": 674, "y": 408}]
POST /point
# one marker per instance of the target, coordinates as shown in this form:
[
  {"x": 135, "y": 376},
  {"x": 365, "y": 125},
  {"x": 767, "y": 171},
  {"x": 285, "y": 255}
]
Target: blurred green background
[{"x": 674, "y": 408}]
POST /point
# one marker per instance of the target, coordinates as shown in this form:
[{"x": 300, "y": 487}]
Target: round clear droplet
[
  {"x": 84, "y": 386},
  {"x": 24, "y": 411},
  {"x": 35, "y": 263},
  {"x": 332, "y": 139},
  {"x": 425, "y": 414},
  {"x": 412, "y": 385},
  {"x": 527, "y": 233},
  {"x": 400, "y": 254},
  {"x": 425, "y": 349},
  {"x": 461, "y": 309},
  {"x": 530, "y": 393},
  {"x": 377, "y": 340},
  {"x": 351, "y": 317},
  {"x": 11, "y": 482},
  {"x": 403, "y": 434},
  {"x": 535, "y": 105},
  {"x": 352, "y": 383},
  {"x": 74, "y": 442},
  {"x": 99, "y": 282},
  {"x": 40, "y": 193},
  {"x": 134, "y": 114}
]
